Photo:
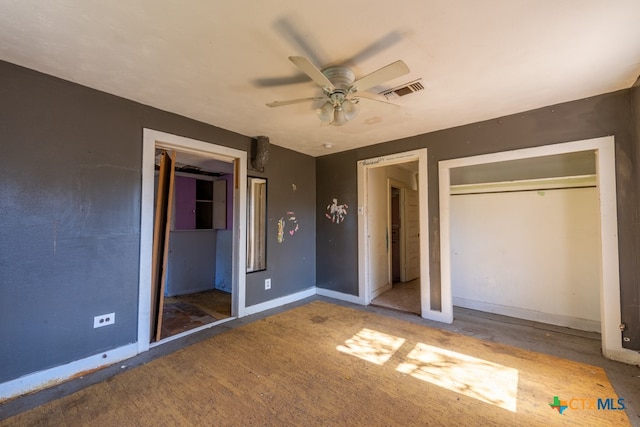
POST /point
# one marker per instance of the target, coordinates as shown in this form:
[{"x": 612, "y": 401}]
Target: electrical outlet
[
  {"x": 267, "y": 284},
  {"x": 104, "y": 320}
]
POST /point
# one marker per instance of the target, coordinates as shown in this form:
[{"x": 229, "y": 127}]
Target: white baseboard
[
  {"x": 340, "y": 296},
  {"x": 191, "y": 331},
  {"x": 191, "y": 291},
  {"x": 536, "y": 316},
  {"x": 437, "y": 316},
  {"x": 623, "y": 355},
  {"x": 55, "y": 375},
  {"x": 274, "y": 303}
]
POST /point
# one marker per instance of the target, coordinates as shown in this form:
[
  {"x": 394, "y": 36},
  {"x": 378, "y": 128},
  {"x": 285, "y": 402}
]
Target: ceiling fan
[{"x": 339, "y": 86}]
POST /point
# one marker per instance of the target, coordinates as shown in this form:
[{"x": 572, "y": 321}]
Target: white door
[{"x": 409, "y": 201}]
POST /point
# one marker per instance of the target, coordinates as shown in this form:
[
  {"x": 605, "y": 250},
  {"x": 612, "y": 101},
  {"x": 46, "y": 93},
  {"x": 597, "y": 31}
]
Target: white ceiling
[{"x": 218, "y": 61}]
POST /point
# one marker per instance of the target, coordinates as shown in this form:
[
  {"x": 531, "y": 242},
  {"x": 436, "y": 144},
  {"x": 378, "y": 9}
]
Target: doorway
[
  {"x": 403, "y": 247},
  {"x": 609, "y": 282},
  {"x": 200, "y": 167},
  {"x": 192, "y": 243},
  {"x": 392, "y": 201}
]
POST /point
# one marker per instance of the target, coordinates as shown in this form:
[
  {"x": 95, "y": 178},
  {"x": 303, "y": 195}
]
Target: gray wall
[
  {"x": 70, "y": 185},
  {"x": 191, "y": 263},
  {"x": 224, "y": 260},
  {"x": 291, "y": 265},
  {"x": 630, "y": 294},
  {"x": 609, "y": 114},
  {"x": 337, "y": 244}
]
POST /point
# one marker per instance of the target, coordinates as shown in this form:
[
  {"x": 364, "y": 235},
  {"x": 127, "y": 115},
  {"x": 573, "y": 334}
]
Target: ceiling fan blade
[
  {"x": 375, "y": 48},
  {"x": 293, "y": 101},
  {"x": 312, "y": 71},
  {"x": 388, "y": 105},
  {"x": 388, "y": 72},
  {"x": 280, "y": 81},
  {"x": 297, "y": 34}
]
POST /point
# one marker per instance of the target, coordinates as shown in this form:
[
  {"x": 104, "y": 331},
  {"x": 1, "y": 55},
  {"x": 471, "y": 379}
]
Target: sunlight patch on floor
[
  {"x": 372, "y": 346},
  {"x": 470, "y": 376},
  {"x": 477, "y": 378}
]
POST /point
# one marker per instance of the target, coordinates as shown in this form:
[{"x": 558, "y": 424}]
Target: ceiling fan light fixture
[
  {"x": 351, "y": 109},
  {"x": 339, "y": 117},
  {"x": 337, "y": 83},
  {"x": 325, "y": 113}
]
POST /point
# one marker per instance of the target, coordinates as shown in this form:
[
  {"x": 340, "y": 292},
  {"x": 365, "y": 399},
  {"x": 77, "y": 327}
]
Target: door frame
[
  {"x": 364, "y": 250},
  {"x": 151, "y": 140},
  {"x": 610, "y": 309}
]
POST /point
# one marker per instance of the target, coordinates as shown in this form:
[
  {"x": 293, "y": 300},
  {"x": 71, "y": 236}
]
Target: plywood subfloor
[
  {"x": 185, "y": 312},
  {"x": 216, "y": 303},
  {"x": 325, "y": 364},
  {"x": 178, "y": 317}
]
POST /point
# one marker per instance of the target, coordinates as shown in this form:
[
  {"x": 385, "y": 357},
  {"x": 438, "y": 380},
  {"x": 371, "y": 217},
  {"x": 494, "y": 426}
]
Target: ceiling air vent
[{"x": 403, "y": 90}]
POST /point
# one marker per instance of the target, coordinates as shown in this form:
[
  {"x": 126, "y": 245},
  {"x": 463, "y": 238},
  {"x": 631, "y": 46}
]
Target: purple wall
[{"x": 185, "y": 198}]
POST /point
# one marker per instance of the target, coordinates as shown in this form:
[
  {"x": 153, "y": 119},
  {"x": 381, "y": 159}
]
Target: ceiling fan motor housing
[
  {"x": 341, "y": 77},
  {"x": 334, "y": 110}
]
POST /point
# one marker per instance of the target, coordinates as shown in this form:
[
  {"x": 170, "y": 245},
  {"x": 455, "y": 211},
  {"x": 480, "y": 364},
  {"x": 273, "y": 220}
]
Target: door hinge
[{"x": 623, "y": 327}]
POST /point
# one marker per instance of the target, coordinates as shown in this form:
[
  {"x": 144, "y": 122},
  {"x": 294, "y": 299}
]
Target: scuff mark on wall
[{"x": 55, "y": 236}]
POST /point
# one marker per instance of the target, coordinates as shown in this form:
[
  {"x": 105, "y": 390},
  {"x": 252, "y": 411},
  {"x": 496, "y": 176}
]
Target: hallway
[{"x": 402, "y": 296}]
